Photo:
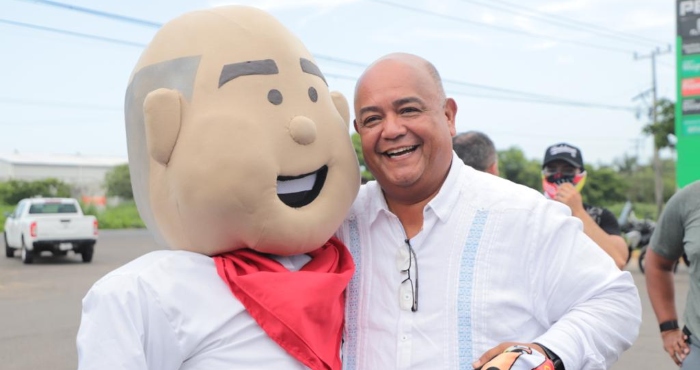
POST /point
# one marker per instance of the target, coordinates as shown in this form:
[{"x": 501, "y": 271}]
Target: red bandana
[{"x": 302, "y": 311}]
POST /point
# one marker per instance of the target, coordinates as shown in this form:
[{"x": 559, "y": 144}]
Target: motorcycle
[{"x": 638, "y": 233}]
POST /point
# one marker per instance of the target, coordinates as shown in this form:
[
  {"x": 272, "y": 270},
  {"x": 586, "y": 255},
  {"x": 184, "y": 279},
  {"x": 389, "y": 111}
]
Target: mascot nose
[{"x": 303, "y": 130}]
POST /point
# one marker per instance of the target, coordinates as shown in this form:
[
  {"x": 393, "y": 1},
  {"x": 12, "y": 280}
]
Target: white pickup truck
[{"x": 57, "y": 225}]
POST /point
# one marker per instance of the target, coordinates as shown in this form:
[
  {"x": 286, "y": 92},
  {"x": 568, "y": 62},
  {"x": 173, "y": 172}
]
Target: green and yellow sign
[{"x": 688, "y": 91}]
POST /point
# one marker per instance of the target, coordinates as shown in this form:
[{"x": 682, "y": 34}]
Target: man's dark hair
[{"x": 475, "y": 149}]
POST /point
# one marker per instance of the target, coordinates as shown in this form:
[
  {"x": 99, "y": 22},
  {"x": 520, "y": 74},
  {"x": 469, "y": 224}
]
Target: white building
[{"x": 85, "y": 174}]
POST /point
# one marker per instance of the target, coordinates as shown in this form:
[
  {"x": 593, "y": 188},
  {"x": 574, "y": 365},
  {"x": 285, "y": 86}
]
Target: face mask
[{"x": 552, "y": 182}]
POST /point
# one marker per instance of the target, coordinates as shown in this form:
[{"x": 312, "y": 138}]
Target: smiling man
[{"x": 497, "y": 264}]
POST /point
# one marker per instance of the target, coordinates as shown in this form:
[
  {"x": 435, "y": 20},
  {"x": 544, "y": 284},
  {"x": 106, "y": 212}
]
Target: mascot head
[{"x": 235, "y": 140}]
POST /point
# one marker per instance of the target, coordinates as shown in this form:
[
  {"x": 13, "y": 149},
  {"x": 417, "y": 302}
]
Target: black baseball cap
[{"x": 564, "y": 152}]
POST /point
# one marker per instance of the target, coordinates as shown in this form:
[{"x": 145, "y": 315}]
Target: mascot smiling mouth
[{"x": 299, "y": 191}]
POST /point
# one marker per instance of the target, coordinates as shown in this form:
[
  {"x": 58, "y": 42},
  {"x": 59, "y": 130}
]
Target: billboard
[{"x": 688, "y": 91}]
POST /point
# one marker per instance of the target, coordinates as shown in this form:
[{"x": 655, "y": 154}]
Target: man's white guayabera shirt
[{"x": 496, "y": 262}]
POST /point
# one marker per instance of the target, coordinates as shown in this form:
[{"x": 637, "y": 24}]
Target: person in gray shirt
[{"x": 677, "y": 232}]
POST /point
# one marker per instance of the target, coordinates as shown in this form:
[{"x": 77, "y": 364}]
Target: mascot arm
[{"x": 117, "y": 317}]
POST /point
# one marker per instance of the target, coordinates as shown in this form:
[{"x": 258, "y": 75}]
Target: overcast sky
[{"x": 63, "y": 73}]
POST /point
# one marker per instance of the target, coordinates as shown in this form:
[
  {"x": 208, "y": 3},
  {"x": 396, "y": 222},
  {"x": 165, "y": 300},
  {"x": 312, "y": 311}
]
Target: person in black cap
[{"x": 563, "y": 177}]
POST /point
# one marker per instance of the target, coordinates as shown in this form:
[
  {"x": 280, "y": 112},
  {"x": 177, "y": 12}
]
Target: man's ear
[
  {"x": 341, "y": 104},
  {"x": 493, "y": 169},
  {"x": 162, "y": 112},
  {"x": 450, "y": 114}
]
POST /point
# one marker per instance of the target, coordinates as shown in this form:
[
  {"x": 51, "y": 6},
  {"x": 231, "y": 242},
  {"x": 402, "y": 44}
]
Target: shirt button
[
  {"x": 406, "y": 297},
  {"x": 404, "y": 338}
]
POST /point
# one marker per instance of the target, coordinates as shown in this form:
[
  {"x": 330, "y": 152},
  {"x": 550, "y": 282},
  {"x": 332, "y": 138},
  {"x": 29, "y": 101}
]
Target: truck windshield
[{"x": 52, "y": 208}]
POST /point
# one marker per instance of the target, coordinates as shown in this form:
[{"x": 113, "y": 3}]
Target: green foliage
[
  {"x": 603, "y": 185},
  {"x": 357, "y": 144},
  {"x": 513, "y": 166},
  {"x": 640, "y": 182},
  {"x": 12, "y": 191},
  {"x": 665, "y": 123},
  {"x": 5, "y": 208},
  {"x": 641, "y": 210},
  {"x": 123, "y": 216},
  {"x": 118, "y": 182},
  {"x": 89, "y": 209}
]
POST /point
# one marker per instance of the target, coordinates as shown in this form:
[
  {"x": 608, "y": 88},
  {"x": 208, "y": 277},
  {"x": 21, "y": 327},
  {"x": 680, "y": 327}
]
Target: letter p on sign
[{"x": 688, "y": 6}]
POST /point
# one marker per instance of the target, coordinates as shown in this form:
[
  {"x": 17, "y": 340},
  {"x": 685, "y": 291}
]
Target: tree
[
  {"x": 604, "y": 186},
  {"x": 513, "y": 166},
  {"x": 357, "y": 144},
  {"x": 118, "y": 182},
  {"x": 626, "y": 165},
  {"x": 11, "y": 192},
  {"x": 639, "y": 179},
  {"x": 664, "y": 125}
]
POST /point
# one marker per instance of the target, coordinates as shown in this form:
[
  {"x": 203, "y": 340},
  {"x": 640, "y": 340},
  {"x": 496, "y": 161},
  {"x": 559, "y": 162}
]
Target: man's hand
[
  {"x": 675, "y": 345},
  {"x": 567, "y": 194},
  {"x": 495, "y": 351}
]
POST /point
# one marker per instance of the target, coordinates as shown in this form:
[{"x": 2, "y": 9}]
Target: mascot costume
[{"x": 242, "y": 166}]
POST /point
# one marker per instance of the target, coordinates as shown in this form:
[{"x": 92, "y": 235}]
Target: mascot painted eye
[
  {"x": 274, "y": 97},
  {"x": 313, "y": 94}
]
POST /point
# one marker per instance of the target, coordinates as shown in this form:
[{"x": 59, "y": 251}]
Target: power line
[
  {"x": 563, "y": 22},
  {"x": 543, "y": 99},
  {"x": 95, "y": 12},
  {"x": 502, "y": 29},
  {"x": 71, "y": 33},
  {"x": 529, "y": 97},
  {"x": 422, "y": 11},
  {"x": 58, "y": 104}
]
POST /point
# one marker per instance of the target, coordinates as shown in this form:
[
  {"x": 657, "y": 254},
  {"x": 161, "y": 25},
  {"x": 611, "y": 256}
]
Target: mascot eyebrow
[
  {"x": 310, "y": 68},
  {"x": 263, "y": 67}
]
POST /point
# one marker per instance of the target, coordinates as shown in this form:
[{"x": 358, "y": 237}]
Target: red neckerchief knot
[{"x": 303, "y": 311}]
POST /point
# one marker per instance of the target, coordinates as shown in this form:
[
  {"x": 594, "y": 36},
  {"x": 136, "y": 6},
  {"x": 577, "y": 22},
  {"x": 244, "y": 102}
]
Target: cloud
[
  {"x": 270, "y": 5},
  {"x": 565, "y": 6},
  {"x": 488, "y": 17},
  {"x": 643, "y": 19},
  {"x": 524, "y": 23},
  {"x": 544, "y": 45},
  {"x": 564, "y": 59},
  {"x": 390, "y": 36},
  {"x": 428, "y": 34}
]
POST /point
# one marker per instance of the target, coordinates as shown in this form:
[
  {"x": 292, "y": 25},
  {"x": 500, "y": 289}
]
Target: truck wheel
[
  {"x": 9, "y": 252},
  {"x": 27, "y": 255},
  {"x": 87, "y": 252}
]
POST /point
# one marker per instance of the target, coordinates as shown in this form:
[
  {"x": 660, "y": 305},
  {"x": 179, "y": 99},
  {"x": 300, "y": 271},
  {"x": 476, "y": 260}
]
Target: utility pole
[{"x": 658, "y": 182}]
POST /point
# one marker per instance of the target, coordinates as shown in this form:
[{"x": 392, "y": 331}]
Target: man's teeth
[
  {"x": 399, "y": 151},
  {"x": 305, "y": 183}
]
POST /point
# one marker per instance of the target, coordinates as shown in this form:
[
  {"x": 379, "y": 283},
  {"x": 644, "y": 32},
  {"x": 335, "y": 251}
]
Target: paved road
[
  {"x": 647, "y": 352},
  {"x": 40, "y": 306},
  {"x": 40, "y": 303}
]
